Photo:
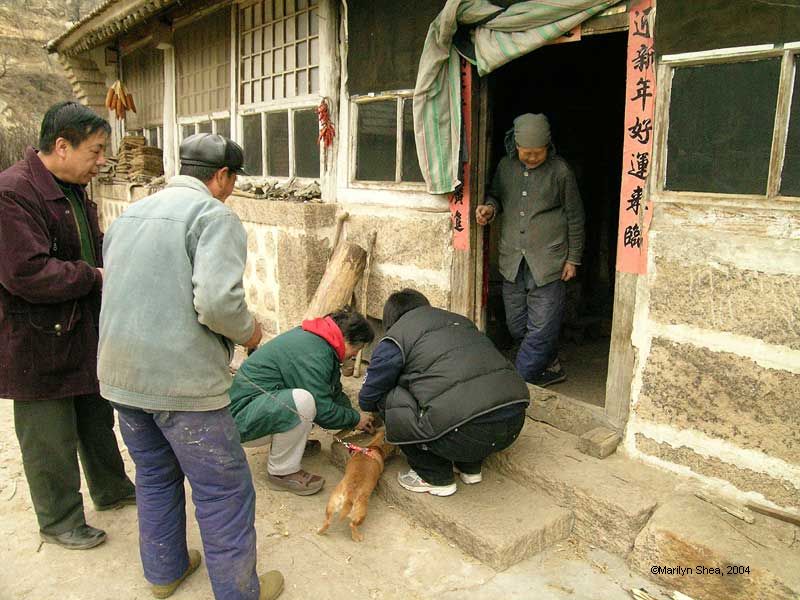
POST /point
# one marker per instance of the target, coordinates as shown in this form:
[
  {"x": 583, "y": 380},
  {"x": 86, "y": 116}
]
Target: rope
[{"x": 351, "y": 447}]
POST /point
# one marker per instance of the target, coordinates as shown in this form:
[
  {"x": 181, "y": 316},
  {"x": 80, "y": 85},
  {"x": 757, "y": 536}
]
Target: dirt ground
[{"x": 399, "y": 560}]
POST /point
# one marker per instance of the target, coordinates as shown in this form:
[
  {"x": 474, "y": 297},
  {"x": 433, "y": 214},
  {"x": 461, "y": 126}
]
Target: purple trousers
[{"x": 203, "y": 447}]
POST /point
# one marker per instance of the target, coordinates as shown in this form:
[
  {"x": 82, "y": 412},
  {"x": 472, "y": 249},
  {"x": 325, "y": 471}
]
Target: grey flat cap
[
  {"x": 532, "y": 131},
  {"x": 212, "y": 150}
]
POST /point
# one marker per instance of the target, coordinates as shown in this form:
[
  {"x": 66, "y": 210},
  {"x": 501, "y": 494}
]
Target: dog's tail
[{"x": 347, "y": 506}]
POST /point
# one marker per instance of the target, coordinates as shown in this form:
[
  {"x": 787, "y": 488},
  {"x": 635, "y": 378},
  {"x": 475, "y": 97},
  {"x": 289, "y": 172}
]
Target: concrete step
[
  {"x": 612, "y": 498},
  {"x": 498, "y": 521}
]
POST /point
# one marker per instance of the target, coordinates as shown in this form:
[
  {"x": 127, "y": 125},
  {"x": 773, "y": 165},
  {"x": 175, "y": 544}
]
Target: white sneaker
[
  {"x": 414, "y": 483},
  {"x": 468, "y": 478}
]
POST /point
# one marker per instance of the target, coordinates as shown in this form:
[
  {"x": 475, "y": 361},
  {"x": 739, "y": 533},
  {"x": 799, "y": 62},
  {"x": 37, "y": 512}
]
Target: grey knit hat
[{"x": 532, "y": 131}]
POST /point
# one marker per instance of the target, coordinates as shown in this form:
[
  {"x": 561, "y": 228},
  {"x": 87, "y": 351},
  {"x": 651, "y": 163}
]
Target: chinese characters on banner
[
  {"x": 634, "y": 212},
  {"x": 460, "y": 200}
]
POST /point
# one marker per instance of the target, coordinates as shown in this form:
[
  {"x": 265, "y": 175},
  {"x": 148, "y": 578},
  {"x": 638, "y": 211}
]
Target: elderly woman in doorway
[{"x": 292, "y": 382}]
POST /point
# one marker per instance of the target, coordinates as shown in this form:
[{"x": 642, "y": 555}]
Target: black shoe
[
  {"x": 129, "y": 500},
  {"x": 552, "y": 374},
  {"x": 80, "y": 538}
]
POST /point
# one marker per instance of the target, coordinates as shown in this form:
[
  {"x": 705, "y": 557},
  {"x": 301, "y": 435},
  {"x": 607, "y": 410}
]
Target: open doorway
[{"x": 580, "y": 86}]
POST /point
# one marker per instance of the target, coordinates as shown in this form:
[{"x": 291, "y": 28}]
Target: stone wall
[
  {"x": 289, "y": 243},
  {"x": 716, "y": 390}
]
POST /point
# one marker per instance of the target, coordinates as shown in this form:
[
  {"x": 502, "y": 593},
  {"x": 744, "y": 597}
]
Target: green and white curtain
[{"x": 519, "y": 29}]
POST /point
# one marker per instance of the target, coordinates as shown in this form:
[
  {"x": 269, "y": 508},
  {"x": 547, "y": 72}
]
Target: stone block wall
[
  {"x": 412, "y": 249},
  {"x": 716, "y": 390},
  {"x": 289, "y": 243}
]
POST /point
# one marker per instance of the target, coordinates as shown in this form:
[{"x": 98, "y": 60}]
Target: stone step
[
  {"x": 706, "y": 553},
  {"x": 612, "y": 498},
  {"x": 498, "y": 521}
]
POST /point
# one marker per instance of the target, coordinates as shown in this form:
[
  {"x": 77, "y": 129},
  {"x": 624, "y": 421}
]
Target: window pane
[
  {"x": 790, "y": 178},
  {"x": 314, "y": 22},
  {"x": 314, "y": 74},
  {"x": 224, "y": 127},
  {"x": 306, "y": 151},
  {"x": 204, "y": 127},
  {"x": 411, "y": 171},
  {"x": 278, "y": 144},
  {"x": 251, "y": 136},
  {"x": 268, "y": 36},
  {"x": 290, "y": 85},
  {"x": 376, "y": 142},
  {"x": 186, "y": 131},
  {"x": 152, "y": 137},
  {"x": 302, "y": 82},
  {"x": 313, "y": 48},
  {"x": 721, "y": 119},
  {"x": 302, "y": 25},
  {"x": 290, "y": 37}
]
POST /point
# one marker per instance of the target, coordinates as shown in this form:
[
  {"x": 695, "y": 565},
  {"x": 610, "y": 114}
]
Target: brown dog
[{"x": 361, "y": 475}]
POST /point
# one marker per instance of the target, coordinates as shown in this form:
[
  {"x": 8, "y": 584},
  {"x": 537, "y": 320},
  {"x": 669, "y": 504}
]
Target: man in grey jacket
[
  {"x": 173, "y": 306},
  {"x": 535, "y": 197}
]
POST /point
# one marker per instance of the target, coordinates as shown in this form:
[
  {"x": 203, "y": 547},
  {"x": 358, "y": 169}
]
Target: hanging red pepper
[{"x": 326, "y": 129}]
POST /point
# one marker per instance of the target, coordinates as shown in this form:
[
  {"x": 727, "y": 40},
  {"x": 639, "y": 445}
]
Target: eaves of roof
[{"x": 107, "y": 21}]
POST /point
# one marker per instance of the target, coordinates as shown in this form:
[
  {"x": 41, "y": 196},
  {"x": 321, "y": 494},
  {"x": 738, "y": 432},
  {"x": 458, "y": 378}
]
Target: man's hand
[
  {"x": 365, "y": 423},
  {"x": 569, "y": 271},
  {"x": 255, "y": 338},
  {"x": 484, "y": 213}
]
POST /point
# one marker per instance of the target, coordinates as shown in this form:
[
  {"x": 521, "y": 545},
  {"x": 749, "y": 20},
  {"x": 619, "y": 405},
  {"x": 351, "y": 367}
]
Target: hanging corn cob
[{"x": 119, "y": 99}]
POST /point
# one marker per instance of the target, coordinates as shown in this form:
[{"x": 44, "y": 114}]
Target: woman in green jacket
[{"x": 292, "y": 382}]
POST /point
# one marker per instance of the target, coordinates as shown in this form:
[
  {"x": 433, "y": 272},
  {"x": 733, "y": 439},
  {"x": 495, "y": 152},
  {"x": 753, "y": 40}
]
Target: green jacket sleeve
[{"x": 334, "y": 410}]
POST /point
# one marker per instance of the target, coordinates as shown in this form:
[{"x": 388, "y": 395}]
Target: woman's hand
[{"x": 365, "y": 423}]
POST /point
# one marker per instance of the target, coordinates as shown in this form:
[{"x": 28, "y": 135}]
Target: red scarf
[{"x": 328, "y": 330}]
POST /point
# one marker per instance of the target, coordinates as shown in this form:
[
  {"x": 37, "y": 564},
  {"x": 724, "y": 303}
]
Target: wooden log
[
  {"x": 364, "y": 287},
  {"x": 339, "y": 280}
]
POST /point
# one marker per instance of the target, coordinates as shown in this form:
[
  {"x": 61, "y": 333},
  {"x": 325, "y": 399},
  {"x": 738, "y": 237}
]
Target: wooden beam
[{"x": 621, "y": 354}]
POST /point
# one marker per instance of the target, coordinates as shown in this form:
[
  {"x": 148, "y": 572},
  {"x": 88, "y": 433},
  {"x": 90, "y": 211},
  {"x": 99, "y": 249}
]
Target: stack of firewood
[{"x": 136, "y": 159}]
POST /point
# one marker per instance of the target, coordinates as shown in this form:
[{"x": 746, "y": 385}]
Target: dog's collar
[{"x": 356, "y": 449}]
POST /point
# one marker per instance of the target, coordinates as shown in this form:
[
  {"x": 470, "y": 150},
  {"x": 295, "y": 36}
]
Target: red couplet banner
[
  {"x": 635, "y": 210},
  {"x": 460, "y": 205}
]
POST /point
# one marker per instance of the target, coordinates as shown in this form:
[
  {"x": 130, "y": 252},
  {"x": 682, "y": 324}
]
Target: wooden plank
[
  {"x": 775, "y": 513},
  {"x": 734, "y": 512},
  {"x": 782, "y": 125},
  {"x": 621, "y": 355},
  {"x": 482, "y": 162},
  {"x": 462, "y": 274},
  {"x": 329, "y": 83}
]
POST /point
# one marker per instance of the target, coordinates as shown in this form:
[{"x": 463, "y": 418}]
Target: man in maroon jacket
[{"x": 50, "y": 281}]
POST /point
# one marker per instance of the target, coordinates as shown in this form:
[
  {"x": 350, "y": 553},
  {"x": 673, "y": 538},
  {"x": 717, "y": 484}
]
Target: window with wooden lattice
[{"x": 203, "y": 71}]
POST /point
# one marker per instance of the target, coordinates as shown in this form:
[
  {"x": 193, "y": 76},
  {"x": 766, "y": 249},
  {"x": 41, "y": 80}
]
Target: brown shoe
[
  {"x": 166, "y": 590},
  {"x": 271, "y": 585},
  {"x": 301, "y": 483}
]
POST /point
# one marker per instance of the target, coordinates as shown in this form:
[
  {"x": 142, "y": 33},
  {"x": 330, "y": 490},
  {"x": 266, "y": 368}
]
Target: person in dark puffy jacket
[{"x": 448, "y": 397}]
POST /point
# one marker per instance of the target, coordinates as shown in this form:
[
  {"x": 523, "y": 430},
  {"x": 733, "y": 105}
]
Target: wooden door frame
[{"x": 622, "y": 356}]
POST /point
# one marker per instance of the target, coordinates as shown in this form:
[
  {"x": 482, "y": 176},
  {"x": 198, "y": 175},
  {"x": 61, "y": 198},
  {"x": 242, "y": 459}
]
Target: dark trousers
[
  {"x": 466, "y": 447},
  {"x": 533, "y": 317},
  {"x": 203, "y": 447},
  {"x": 52, "y": 434}
]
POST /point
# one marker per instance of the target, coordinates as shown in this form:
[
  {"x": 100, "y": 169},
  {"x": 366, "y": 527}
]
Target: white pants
[{"x": 286, "y": 451}]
